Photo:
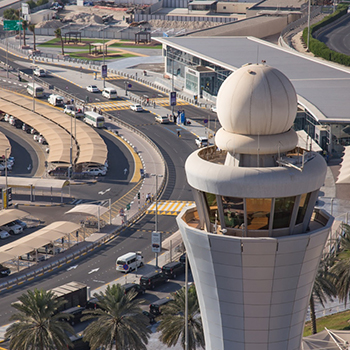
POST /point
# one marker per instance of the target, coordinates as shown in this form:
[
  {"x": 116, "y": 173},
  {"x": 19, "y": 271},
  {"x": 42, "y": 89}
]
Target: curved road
[
  {"x": 336, "y": 35},
  {"x": 137, "y": 237}
]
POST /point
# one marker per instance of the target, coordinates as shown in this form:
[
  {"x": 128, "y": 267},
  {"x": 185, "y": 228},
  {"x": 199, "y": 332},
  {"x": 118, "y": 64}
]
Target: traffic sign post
[{"x": 13, "y": 25}]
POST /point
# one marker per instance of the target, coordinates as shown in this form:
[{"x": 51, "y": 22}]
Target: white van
[
  {"x": 129, "y": 262},
  {"x": 109, "y": 93},
  {"x": 39, "y": 72},
  {"x": 56, "y": 100},
  {"x": 35, "y": 89}
]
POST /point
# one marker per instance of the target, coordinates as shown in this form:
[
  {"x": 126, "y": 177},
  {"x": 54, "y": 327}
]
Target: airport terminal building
[{"x": 199, "y": 65}]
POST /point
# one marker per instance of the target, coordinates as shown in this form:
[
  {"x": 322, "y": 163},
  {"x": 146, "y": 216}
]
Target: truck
[
  {"x": 56, "y": 100},
  {"x": 129, "y": 261},
  {"x": 74, "y": 293}
]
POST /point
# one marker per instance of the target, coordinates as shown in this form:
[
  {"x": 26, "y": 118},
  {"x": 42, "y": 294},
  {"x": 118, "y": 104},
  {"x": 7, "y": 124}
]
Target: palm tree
[
  {"x": 31, "y": 27},
  {"x": 324, "y": 289},
  {"x": 25, "y": 27},
  {"x": 39, "y": 325},
  {"x": 58, "y": 34},
  {"x": 118, "y": 322},
  {"x": 173, "y": 322},
  {"x": 341, "y": 268}
]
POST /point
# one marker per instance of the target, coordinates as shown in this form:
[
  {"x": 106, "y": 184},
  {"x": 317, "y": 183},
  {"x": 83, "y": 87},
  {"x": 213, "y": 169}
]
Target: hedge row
[
  {"x": 33, "y": 4},
  {"x": 320, "y": 49}
]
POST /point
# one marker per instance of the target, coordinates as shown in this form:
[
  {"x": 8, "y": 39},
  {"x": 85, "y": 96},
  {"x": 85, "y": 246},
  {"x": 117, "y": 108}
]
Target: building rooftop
[{"x": 318, "y": 83}]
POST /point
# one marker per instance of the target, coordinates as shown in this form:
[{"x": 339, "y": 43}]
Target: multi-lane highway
[{"x": 99, "y": 267}]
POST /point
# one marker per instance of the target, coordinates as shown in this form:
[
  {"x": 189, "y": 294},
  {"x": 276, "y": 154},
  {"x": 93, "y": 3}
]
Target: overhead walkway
[{"x": 57, "y": 127}]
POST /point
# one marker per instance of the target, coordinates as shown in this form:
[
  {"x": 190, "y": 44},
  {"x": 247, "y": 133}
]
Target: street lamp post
[
  {"x": 4, "y": 205},
  {"x": 156, "y": 212}
]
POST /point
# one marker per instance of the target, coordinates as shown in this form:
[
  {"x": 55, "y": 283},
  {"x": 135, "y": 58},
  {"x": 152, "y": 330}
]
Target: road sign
[
  {"x": 12, "y": 25},
  {"x": 129, "y": 86},
  {"x": 173, "y": 98},
  {"x": 126, "y": 267},
  {"x": 205, "y": 121},
  {"x": 156, "y": 242},
  {"x": 104, "y": 71}
]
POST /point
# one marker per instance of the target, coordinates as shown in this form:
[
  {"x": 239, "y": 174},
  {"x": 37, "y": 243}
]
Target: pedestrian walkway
[{"x": 168, "y": 207}]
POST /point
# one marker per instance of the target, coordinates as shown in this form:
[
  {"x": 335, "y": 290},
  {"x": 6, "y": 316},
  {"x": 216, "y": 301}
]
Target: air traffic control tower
[{"x": 254, "y": 238}]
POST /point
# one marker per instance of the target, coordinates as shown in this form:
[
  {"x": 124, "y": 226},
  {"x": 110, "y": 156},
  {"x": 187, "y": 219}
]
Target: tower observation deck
[{"x": 254, "y": 238}]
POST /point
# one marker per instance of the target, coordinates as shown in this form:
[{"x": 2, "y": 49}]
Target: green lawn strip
[
  {"x": 80, "y": 56},
  {"x": 57, "y": 42},
  {"x": 338, "y": 321}
]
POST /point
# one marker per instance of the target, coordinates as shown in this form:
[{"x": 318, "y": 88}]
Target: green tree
[
  {"x": 31, "y": 27},
  {"x": 11, "y": 14},
  {"x": 173, "y": 322},
  {"x": 324, "y": 289},
  {"x": 341, "y": 268},
  {"x": 39, "y": 325},
  {"x": 119, "y": 321},
  {"x": 58, "y": 34},
  {"x": 25, "y": 27}
]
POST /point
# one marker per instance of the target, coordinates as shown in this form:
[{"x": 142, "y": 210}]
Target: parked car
[
  {"x": 21, "y": 223},
  {"x": 201, "y": 142},
  {"x": 49, "y": 249},
  {"x": 134, "y": 286},
  {"x": 31, "y": 257},
  {"x": 161, "y": 119},
  {"x": 92, "y": 88},
  {"x": 59, "y": 171},
  {"x": 95, "y": 172},
  {"x": 155, "y": 307},
  {"x": 150, "y": 316},
  {"x": 13, "y": 228},
  {"x": 213, "y": 109},
  {"x": 4, "y": 234},
  {"x": 4, "y": 271},
  {"x": 173, "y": 269},
  {"x": 152, "y": 279},
  {"x": 136, "y": 108}
]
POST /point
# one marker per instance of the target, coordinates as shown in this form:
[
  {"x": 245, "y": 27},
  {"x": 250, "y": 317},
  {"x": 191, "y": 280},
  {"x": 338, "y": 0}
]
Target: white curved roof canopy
[
  {"x": 85, "y": 135},
  {"x": 37, "y": 239},
  {"x": 57, "y": 138},
  {"x": 55, "y": 185},
  {"x": 4, "y": 144},
  {"x": 9, "y": 215},
  {"x": 92, "y": 148},
  {"x": 91, "y": 209}
]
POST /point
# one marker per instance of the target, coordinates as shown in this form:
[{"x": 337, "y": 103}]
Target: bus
[
  {"x": 35, "y": 89},
  {"x": 94, "y": 119}
]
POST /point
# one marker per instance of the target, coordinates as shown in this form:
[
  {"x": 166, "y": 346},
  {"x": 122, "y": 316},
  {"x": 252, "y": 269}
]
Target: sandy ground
[{"x": 91, "y": 15}]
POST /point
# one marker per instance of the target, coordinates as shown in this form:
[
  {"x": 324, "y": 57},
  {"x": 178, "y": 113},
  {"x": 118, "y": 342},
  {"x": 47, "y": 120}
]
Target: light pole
[
  {"x": 156, "y": 212},
  {"x": 103, "y": 49},
  {"x": 126, "y": 87},
  {"x": 5, "y": 203},
  {"x": 33, "y": 82}
]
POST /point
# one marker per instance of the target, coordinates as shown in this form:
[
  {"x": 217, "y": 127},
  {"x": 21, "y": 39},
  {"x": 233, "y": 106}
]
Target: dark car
[
  {"x": 183, "y": 258},
  {"x": 4, "y": 271},
  {"x": 76, "y": 312},
  {"x": 150, "y": 316},
  {"x": 173, "y": 269},
  {"x": 152, "y": 279},
  {"x": 59, "y": 171},
  {"x": 134, "y": 286},
  {"x": 155, "y": 308}
]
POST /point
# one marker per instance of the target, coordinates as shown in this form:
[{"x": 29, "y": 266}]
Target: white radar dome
[{"x": 257, "y": 100}]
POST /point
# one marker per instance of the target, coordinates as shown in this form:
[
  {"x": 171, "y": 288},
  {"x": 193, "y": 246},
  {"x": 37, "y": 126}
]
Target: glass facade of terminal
[{"x": 203, "y": 78}]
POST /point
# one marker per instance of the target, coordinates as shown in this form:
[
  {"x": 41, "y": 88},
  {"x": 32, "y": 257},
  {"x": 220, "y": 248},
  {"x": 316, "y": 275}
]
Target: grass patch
[{"x": 339, "y": 321}]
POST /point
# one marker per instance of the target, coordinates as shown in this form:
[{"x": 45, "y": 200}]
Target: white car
[
  {"x": 12, "y": 228},
  {"x": 2, "y": 166},
  {"x": 92, "y": 88},
  {"x": 95, "y": 172},
  {"x": 201, "y": 141},
  {"x": 73, "y": 112},
  {"x": 136, "y": 108},
  {"x": 213, "y": 109},
  {"x": 39, "y": 72},
  {"x": 161, "y": 119},
  {"x": 4, "y": 234}
]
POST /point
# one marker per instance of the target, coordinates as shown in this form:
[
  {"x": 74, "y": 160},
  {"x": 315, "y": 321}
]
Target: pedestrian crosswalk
[
  {"x": 164, "y": 101},
  {"x": 168, "y": 207},
  {"x": 110, "y": 77},
  {"x": 111, "y": 105}
]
